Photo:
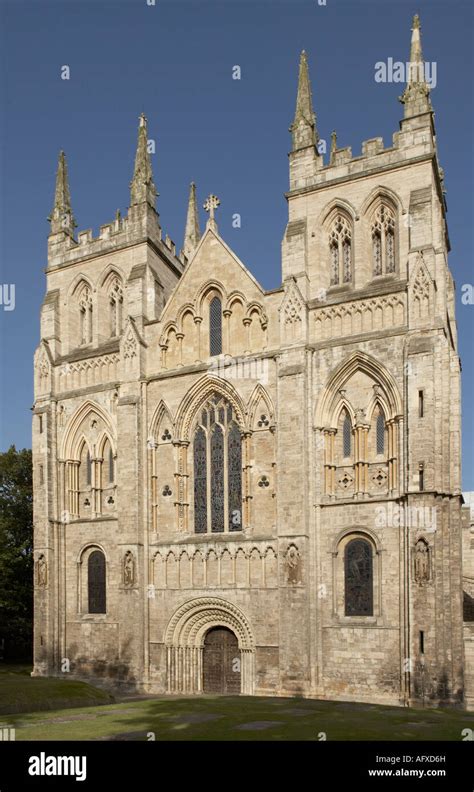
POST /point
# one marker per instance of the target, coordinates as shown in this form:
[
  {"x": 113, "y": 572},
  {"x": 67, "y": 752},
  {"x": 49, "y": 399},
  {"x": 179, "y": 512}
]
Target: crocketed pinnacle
[{"x": 142, "y": 187}]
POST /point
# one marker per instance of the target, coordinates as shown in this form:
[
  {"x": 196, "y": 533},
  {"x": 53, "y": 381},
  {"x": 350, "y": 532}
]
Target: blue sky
[{"x": 174, "y": 62}]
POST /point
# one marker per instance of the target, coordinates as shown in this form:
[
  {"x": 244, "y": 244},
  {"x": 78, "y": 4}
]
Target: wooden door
[{"x": 221, "y": 662}]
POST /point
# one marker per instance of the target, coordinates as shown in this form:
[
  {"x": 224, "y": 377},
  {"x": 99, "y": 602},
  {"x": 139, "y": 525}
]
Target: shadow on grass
[{"x": 223, "y": 718}]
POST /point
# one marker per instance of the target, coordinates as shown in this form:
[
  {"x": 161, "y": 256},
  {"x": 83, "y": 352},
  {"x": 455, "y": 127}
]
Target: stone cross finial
[{"x": 211, "y": 204}]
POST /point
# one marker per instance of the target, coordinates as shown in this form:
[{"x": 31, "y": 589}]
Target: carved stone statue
[
  {"x": 41, "y": 571},
  {"x": 293, "y": 565},
  {"x": 422, "y": 562},
  {"x": 128, "y": 569}
]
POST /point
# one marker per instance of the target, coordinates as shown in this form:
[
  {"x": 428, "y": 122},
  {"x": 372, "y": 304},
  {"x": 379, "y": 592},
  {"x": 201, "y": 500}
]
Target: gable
[
  {"x": 213, "y": 264},
  {"x": 214, "y": 271}
]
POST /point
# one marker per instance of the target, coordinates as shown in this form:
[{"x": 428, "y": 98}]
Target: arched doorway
[
  {"x": 185, "y": 639},
  {"x": 221, "y": 662}
]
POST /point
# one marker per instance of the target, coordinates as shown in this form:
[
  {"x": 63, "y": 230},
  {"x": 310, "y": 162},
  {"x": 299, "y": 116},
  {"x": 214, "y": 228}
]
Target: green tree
[{"x": 16, "y": 552}]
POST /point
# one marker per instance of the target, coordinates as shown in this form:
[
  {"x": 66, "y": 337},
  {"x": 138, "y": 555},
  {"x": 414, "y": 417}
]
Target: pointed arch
[
  {"x": 198, "y": 395},
  {"x": 79, "y": 446},
  {"x": 108, "y": 274},
  {"x": 161, "y": 413},
  {"x": 89, "y": 407},
  {"x": 357, "y": 361},
  {"x": 101, "y": 443},
  {"x": 344, "y": 406},
  {"x": 378, "y": 399},
  {"x": 258, "y": 395},
  {"x": 76, "y": 285},
  {"x": 331, "y": 209},
  {"x": 378, "y": 195}
]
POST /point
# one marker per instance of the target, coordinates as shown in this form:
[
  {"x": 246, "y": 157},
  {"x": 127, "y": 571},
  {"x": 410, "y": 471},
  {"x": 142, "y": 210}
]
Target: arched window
[
  {"x": 217, "y": 457},
  {"x": 346, "y": 435},
  {"x": 88, "y": 469},
  {"x": 383, "y": 241},
  {"x": 380, "y": 431},
  {"x": 96, "y": 583},
  {"x": 85, "y": 314},
  {"x": 115, "y": 307},
  {"x": 340, "y": 247},
  {"x": 215, "y": 326},
  {"x": 358, "y": 578},
  {"x": 108, "y": 464}
]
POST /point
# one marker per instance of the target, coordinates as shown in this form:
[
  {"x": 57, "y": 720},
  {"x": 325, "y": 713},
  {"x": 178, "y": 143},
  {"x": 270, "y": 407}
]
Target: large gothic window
[
  {"x": 340, "y": 247},
  {"x": 358, "y": 578},
  {"x": 215, "y": 326},
  {"x": 217, "y": 458},
  {"x": 96, "y": 582},
  {"x": 383, "y": 241}
]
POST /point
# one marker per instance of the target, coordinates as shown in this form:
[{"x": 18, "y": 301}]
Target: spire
[
  {"x": 303, "y": 128},
  {"x": 192, "y": 233},
  {"x": 142, "y": 188},
  {"x": 416, "y": 94},
  {"x": 61, "y": 217}
]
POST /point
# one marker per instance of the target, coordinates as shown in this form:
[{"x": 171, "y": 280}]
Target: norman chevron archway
[{"x": 184, "y": 640}]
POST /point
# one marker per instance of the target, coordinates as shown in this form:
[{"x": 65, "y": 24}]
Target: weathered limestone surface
[{"x": 361, "y": 334}]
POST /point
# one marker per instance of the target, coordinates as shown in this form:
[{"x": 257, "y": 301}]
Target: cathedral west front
[{"x": 247, "y": 491}]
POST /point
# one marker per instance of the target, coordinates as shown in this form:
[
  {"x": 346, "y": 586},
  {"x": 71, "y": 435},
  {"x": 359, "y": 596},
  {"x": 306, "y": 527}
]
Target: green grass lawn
[
  {"x": 240, "y": 718},
  {"x": 19, "y": 692}
]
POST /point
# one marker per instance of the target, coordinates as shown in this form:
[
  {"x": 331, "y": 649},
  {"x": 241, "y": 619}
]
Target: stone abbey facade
[{"x": 250, "y": 491}]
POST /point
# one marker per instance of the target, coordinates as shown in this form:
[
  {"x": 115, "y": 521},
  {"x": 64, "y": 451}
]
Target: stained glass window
[
  {"x": 217, "y": 479},
  {"x": 215, "y": 327},
  {"x": 380, "y": 431},
  {"x": 96, "y": 582},
  {"x": 346, "y": 436},
  {"x": 358, "y": 575},
  {"x": 200, "y": 481},
  {"x": 217, "y": 469}
]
